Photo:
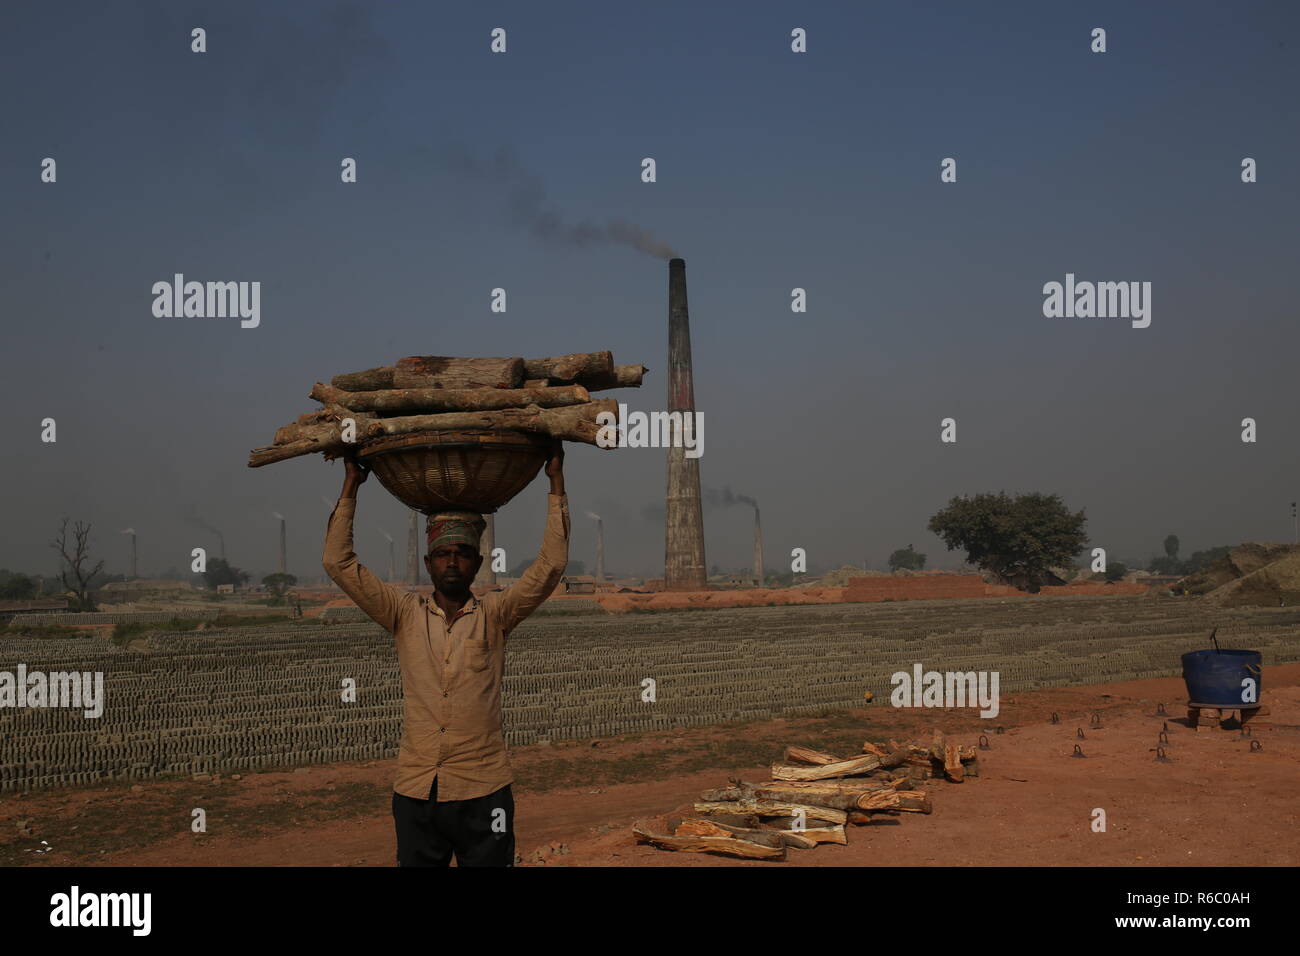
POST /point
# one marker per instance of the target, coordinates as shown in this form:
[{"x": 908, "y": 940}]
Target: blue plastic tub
[{"x": 1219, "y": 678}]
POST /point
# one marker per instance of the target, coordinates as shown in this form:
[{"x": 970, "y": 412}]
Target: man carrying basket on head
[{"x": 452, "y": 792}]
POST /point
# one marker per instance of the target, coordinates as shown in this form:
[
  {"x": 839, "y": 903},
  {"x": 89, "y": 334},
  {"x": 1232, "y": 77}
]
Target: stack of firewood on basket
[
  {"x": 434, "y": 393},
  {"x": 812, "y": 797}
]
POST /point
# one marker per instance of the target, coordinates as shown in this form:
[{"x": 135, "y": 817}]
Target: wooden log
[
  {"x": 722, "y": 795},
  {"x": 886, "y": 774},
  {"x": 784, "y": 825},
  {"x": 440, "y": 371},
  {"x": 324, "y": 425},
  {"x": 794, "y": 754},
  {"x": 878, "y": 750},
  {"x": 729, "y": 845},
  {"x": 937, "y": 745},
  {"x": 896, "y": 758},
  {"x": 952, "y": 763},
  {"x": 772, "y": 808},
  {"x": 269, "y": 454},
  {"x": 830, "y": 799},
  {"x": 572, "y": 422},
  {"x": 326, "y": 437},
  {"x": 767, "y": 836},
  {"x": 623, "y": 376},
  {"x": 708, "y": 828},
  {"x": 911, "y": 801},
  {"x": 436, "y": 371},
  {"x": 842, "y": 768},
  {"x": 429, "y": 400},
  {"x": 747, "y": 820},
  {"x": 317, "y": 430},
  {"x": 570, "y": 368},
  {"x": 846, "y": 785},
  {"x": 365, "y": 380}
]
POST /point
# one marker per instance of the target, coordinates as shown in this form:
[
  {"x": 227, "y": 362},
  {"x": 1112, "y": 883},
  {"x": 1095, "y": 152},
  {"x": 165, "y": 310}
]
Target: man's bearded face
[{"x": 453, "y": 567}]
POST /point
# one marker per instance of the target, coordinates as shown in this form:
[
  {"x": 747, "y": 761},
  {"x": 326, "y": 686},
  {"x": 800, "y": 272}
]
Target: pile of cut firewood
[
  {"x": 548, "y": 396},
  {"x": 812, "y": 797}
]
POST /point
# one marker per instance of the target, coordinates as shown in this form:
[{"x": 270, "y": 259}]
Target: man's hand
[
  {"x": 354, "y": 478},
  {"x": 555, "y": 467}
]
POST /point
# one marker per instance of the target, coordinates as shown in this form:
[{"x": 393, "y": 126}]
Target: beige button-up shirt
[{"x": 451, "y": 673}]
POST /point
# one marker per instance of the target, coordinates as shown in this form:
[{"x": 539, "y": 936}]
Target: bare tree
[{"x": 76, "y": 556}]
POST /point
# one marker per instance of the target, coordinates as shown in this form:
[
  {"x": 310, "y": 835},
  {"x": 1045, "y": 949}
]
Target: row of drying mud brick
[{"x": 253, "y": 698}]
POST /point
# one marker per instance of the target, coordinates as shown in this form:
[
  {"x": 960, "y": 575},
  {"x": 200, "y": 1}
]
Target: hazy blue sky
[{"x": 775, "y": 170}]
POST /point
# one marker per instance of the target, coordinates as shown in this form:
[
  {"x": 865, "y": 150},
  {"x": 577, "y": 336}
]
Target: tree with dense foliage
[
  {"x": 1200, "y": 560},
  {"x": 1018, "y": 540},
  {"x": 908, "y": 559},
  {"x": 15, "y": 586},
  {"x": 1115, "y": 571},
  {"x": 278, "y": 584},
  {"x": 219, "y": 572}
]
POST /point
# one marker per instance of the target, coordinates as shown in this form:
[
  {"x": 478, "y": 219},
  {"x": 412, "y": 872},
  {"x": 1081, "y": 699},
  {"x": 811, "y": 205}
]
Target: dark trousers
[{"x": 480, "y": 832}]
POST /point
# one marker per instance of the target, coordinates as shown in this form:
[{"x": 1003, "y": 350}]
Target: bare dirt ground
[{"x": 1215, "y": 804}]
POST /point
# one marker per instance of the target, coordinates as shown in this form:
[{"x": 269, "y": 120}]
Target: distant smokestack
[
  {"x": 758, "y": 549},
  {"x": 413, "y": 550},
  {"x": 392, "y": 558},
  {"x": 486, "y": 577},
  {"x": 600, "y": 545},
  {"x": 131, "y": 532},
  {"x": 283, "y": 546},
  {"x": 684, "y": 566}
]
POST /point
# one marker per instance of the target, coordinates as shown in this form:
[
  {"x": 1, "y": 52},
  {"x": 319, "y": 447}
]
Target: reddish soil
[
  {"x": 1215, "y": 804},
  {"x": 752, "y": 597}
]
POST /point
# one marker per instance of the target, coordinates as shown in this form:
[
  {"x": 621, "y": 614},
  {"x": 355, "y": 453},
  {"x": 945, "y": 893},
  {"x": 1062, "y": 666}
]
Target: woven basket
[{"x": 473, "y": 470}]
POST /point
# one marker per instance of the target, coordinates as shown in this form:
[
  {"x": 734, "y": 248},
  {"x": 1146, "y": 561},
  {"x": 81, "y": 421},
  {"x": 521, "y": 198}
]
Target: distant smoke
[
  {"x": 527, "y": 199},
  {"x": 192, "y": 516},
  {"x": 278, "y": 515},
  {"x": 593, "y": 516},
  {"x": 127, "y": 531},
  {"x": 713, "y": 498},
  {"x": 388, "y": 537}
]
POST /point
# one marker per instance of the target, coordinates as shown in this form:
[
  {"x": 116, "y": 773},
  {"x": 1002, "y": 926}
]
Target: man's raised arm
[
  {"x": 543, "y": 575},
  {"x": 379, "y": 600}
]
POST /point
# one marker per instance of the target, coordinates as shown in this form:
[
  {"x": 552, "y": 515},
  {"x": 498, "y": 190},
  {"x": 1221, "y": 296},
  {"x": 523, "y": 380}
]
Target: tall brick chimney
[
  {"x": 758, "y": 550},
  {"x": 684, "y": 567}
]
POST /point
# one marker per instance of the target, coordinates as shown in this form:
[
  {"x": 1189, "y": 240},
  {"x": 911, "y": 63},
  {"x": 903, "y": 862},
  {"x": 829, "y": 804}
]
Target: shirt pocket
[{"x": 478, "y": 655}]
